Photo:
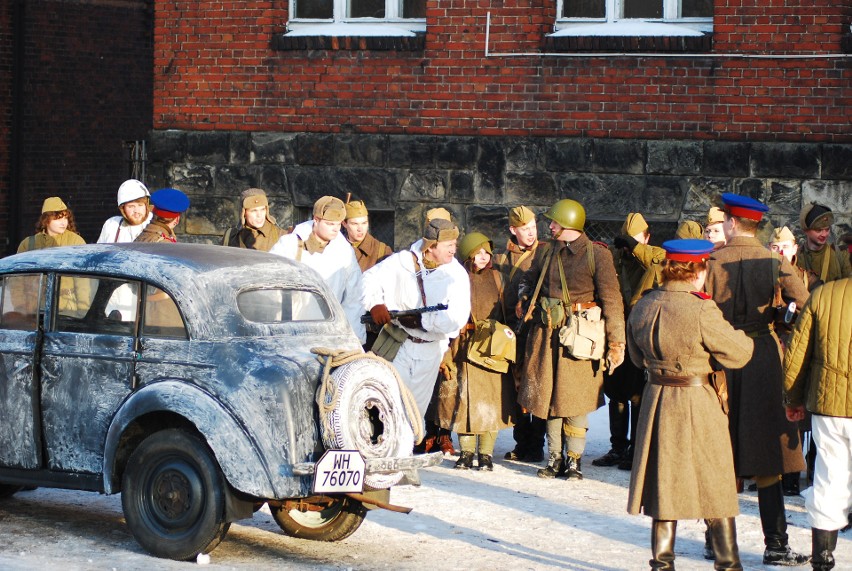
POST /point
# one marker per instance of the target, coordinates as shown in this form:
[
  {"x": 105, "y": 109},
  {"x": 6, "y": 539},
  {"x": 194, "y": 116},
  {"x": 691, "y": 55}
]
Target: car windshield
[{"x": 279, "y": 305}]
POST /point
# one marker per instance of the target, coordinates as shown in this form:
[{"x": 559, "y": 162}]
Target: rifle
[{"x": 368, "y": 319}]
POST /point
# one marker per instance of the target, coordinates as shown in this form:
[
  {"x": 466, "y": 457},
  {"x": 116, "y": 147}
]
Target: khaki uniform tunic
[
  {"x": 477, "y": 400},
  {"x": 740, "y": 280},
  {"x": 74, "y": 294},
  {"x": 683, "y": 467},
  {"x": 156, "y": 231},
  {"x": 828, "y": 264},
  {"x": 370, "y": 252},
  {"x": 262, "y": 238},
  {"x": 553, "y": 383}
]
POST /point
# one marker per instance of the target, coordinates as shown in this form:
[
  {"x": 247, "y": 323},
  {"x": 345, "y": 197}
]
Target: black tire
[
  {"x": 7, "y": 490},
  {"x": 173, "y": 496},
  {"x": 337, "y": 521}
]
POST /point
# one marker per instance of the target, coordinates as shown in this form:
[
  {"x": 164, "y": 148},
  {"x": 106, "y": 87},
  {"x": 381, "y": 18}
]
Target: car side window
[
  {"x": 162, "y": 317},
  {"x": 89, "y": 304},
  {"x": 20, "y": 302},
  {"x": 279, "y": 305}
]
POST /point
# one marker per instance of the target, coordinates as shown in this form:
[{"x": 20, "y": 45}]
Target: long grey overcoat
[
  {"x": 682, "y": 465},
  {"x": 741, "y": 280},
  {"x": 553, "y": 383}
]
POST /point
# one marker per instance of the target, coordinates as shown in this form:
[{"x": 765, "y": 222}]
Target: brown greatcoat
[
  {"x": 370, "y": 252},
  {"x": 740, "y": 278},
  {"x": 553, "y": 383},
  {"x": 682, "y": 465},
  {"x": 512, "y": 264},
  {"x": 476, "y": 400},
  {"x": 156, "y": 231},
  {"x": 262, "y": 238}
]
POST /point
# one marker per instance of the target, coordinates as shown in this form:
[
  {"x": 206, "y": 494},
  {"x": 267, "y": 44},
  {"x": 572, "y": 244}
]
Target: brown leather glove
[
  {"x": 411, "y": 321},
  {"x": 614, "y": 356},
  {"x": 380, "y": 314}
]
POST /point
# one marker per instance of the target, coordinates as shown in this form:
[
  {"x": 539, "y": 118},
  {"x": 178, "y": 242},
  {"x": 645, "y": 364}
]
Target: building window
[
  {"x": 408, "y": 14},
  {"x": 692, "y": 14}
]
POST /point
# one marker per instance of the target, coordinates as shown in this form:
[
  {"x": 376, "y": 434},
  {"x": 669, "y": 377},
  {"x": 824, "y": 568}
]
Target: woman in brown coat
[
  {"x": 476, "y": 402},
  {"x": 683, "y": 465}
]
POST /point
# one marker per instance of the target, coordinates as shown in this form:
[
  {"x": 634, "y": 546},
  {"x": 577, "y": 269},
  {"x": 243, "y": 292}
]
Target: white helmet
[{"x": 131, "y": 189}]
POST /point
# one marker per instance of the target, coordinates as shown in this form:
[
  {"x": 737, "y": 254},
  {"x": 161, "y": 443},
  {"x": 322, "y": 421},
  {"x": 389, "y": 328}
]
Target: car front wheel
[
  {"x": 173, "y": 496},
  {"x": 333, "y": 520}
]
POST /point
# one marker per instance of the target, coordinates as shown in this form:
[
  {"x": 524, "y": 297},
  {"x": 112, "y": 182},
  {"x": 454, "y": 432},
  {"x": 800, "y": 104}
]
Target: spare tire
[{"x": 368, "y": 415}]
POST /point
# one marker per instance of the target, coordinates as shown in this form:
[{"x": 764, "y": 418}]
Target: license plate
[{"x": 339, "y": 471}]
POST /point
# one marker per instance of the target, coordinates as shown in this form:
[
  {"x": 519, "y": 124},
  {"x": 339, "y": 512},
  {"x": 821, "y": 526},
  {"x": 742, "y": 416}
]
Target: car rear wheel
[
  {"x": 7, "y": 490},
  {"x": 336, "y": 519},
  {"x": 173, "y": 496}
]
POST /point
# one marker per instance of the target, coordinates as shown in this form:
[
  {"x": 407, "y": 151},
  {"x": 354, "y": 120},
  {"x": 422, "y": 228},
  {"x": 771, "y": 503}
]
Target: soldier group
[{"x": 686, "y": 340}]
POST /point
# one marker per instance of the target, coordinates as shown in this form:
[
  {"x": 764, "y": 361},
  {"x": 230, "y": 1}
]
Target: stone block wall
[{"x": 402, "y": 176}]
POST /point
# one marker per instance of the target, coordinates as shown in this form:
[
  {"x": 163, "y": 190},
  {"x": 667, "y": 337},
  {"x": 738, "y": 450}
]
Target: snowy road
[{"x": 508, "y": 519}]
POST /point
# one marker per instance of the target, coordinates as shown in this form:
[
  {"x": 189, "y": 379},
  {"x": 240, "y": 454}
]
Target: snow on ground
[{"x": 507, "y": 519}]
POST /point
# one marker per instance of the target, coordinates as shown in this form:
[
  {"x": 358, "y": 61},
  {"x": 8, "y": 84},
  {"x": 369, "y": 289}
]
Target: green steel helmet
[
  {"x": 471, "y": 243},
  {"x": 568, "y": 214}
]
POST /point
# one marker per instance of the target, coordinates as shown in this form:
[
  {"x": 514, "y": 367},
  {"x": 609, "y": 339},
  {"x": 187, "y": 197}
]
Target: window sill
[
  {"x": 622, "y": 44},
  {"x": 350, "y": 37},
  {"x": 629, "y": 36}
]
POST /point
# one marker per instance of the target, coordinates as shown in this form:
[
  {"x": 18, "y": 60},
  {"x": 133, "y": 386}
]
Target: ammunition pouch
[{"x": 389, "y": 341}]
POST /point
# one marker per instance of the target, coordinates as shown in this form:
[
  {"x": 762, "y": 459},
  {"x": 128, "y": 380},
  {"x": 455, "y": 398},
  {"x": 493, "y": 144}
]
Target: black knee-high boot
[
  {"x": 773, "y": 519},
  {"x": 723, "y": 536},
  {"x": 662, "y": 544},
  {"x": 822, "y": 554}
]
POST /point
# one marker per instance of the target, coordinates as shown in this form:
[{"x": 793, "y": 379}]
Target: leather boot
[
  {"x": 723, "y": 535},
  {"x": 573, "y": 470},
  {"x": 445, "y": 443},
  {"x": 822, "y": 553},
  {"x": 553, "y": 467},
  {"x": 465, "y": 461},
  {"x": 662, "y": 544},
  {"x": 773, "y": 519},
  {"x": 485, "y": 463},
  {"x": 708, "y": 542}
]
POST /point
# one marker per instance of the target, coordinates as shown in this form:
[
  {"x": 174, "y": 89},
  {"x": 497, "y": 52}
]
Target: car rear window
[
  {"x": 279, "y": 305},
  {"x": 20, "y": 301}
]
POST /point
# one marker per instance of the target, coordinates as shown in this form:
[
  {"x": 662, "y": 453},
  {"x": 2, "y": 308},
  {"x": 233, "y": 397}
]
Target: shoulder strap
[
  {"x": 118, "y": 230},
  {"x": 226, "y": 237},
  {"x": 826, "y": 260},
  {"x": 590, "y": 254},
  {"x": 419, "y": 275},
  {"x": 31, "y": 243},
  {"x": 566, "y": 298},
  {"x": 300, "y": 247},
  {"x": 544, "y": 269},
  {"x": 517, "y": 264}
]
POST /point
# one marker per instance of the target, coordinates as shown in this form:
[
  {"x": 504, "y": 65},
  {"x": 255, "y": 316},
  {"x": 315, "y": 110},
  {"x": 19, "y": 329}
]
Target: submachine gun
[{"x": 396, "y": 314}]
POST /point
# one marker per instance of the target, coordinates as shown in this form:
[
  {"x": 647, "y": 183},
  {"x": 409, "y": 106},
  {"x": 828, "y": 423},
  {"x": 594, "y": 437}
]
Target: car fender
[{"x": 236, "y": 454}]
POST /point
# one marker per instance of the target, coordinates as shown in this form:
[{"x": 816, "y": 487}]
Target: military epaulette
[{"x": 701, "y": 294}]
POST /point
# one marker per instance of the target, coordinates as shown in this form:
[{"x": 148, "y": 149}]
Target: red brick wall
[
  {"x": 86, "y": 88},
  {"x": 214, "y": 69}
]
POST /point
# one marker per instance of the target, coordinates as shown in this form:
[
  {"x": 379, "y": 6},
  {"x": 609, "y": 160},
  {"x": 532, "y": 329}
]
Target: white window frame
[
  {"x": 614, "y": 9},
  {"x": 369, "y": 26}
]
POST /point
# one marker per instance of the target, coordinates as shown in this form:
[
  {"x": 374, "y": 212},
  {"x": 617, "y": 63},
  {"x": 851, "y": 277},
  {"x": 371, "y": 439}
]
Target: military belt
[
  {"x": 760, "y": 332},
  {"x": 676, "y": 381},
  {"x": 581, "y": 305}
]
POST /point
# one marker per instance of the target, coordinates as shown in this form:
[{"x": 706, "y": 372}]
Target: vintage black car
[{"x": 192, "y": 380}]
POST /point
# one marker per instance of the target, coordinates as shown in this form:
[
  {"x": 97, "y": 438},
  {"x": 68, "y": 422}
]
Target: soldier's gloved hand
[
  {"x": 380, "y": 314},
  {"x": 519, "y": 308},
  {"x": 623, "y": 241},
  {"x": 411, "y": 321},
  {"x": 614, "y": 356}
]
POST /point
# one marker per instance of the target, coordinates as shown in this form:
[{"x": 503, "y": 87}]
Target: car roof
[{"x": 198, "y": 276}]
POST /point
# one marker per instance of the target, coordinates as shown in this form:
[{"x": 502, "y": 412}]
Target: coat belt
[{"x": 676, "y": 381}]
